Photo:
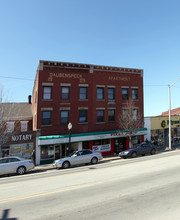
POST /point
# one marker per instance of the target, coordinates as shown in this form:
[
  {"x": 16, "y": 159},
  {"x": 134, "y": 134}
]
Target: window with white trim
[
  {"x": 82, "y": 116},
  {"x": 134, "y": 94},
  {"x": 83, "y": 93},
  {"x": 100, "y": 115},
  {"x": 47, "y": 92},
  {"x": 111, "y": 94},
  {"x": 64, "y": 117},
  {"x": 125, "y": 94},
  {"x": 111, "y": 115},
  {"x": 125, "y": 114},
  {"x": 65, "y": 92},
  {"x": 10, "y": 127},
  {"x": 135, "y": 114},
  {"x": 100, "y": 93},
  {"x": 24, "y": 126},
  {"x": 46, "y": 118}
]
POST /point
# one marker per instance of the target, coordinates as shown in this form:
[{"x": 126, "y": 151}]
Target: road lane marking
[
  {"x": 46, "y": 193},
  {"x": 54, "y": 192}
]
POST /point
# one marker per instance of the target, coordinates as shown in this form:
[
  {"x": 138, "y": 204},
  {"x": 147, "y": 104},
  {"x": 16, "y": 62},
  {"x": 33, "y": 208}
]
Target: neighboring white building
[{"x": 147, "y": 124}]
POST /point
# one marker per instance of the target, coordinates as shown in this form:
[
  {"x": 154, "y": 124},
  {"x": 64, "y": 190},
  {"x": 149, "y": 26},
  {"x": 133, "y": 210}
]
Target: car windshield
[{"x": 73, "y": 154}]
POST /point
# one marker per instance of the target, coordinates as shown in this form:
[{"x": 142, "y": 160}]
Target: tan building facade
[{"x": 158, "y": 129}]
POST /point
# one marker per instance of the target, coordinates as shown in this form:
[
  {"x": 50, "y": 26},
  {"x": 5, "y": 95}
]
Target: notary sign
[
  {"x": 21, "y": 137},
  {"x": 102, "y": 148}
]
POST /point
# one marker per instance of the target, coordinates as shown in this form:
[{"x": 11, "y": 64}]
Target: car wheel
[
  {"x": 21, "y": 170},
  {"x": 124, "y": 157},
  {"x": 153, "y": 151},
  {"x": 94, "y": 160},
  {"x": 66, "y": 165},
  {"x": 134, "y": 154}
]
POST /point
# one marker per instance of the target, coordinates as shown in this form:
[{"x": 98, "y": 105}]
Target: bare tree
[
  {"x": 5, "y": 116},
  {"x": 130, "y": 119}
]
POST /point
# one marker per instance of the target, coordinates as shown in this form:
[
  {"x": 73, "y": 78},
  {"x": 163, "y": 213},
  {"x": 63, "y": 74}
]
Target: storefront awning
[{"x": 62, "y": 139}]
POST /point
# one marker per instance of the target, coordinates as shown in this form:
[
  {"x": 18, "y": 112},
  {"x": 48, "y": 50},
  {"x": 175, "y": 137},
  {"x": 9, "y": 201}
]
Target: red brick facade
[{"x": 58, "y": 74}]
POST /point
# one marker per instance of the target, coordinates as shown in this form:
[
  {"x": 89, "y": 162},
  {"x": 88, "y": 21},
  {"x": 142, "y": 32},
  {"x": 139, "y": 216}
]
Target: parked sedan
[
  {"x": 15, "y": 165},
  {"x": 78, "y": 157},
  {"x": 142, "y": 149}
]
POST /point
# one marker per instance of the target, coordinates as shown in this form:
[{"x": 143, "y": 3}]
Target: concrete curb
[
  {"x": 44, "y": 167},
  {"x": 50, "y": 167}
]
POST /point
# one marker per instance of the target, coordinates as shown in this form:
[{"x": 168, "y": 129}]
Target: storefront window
[
  {"x": 135, "y": 141},
  {"x": 101, "y": 142},
  {"x": 101, "y": 145},
  {"x": 47, "y": 152},
  {"x": 97, "y": 142},
  {"x": 157, "y": 137},
  {"x": 22, "y": 150},
  {"x": 86, "y": 145}
]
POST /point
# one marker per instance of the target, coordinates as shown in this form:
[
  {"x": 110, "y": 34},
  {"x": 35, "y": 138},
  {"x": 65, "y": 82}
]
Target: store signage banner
[
  {"x": 102, "y": 148},
  {"x": 21, "y": 137}
]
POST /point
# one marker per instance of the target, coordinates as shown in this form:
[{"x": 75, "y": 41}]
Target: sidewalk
[{"x": 45, "y": 167}]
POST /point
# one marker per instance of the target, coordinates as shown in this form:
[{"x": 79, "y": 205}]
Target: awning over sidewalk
[{"x": 61, "y": 139}]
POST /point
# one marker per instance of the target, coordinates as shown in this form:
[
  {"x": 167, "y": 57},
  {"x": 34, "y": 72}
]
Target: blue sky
[{"x": 125, "y": 33}]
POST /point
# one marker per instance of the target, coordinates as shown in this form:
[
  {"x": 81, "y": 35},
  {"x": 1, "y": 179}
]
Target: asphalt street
[{"x": 140, "y": 188}]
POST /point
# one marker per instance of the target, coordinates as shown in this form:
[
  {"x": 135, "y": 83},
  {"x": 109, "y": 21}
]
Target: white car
[
  {"x": 78, "y": 157},
  {"x": 15, "y": 165}
]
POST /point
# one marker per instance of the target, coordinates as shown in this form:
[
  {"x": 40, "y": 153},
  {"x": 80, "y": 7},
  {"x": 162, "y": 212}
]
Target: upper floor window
[
  {"x": 46, "y": 117},
  {"x": 64, "y": 117},
  {"x": 100, "y": 115},
  {"x": 47, "y": 92},
  {"x": 65, "y": 92},
  {"x": 111, "y": 115},
  {"x": 134, "y": 94},
  {"x": 82, "y": 116},
  {"x": 125, "y": 94},
  {"x": 24, "y": 126},
  {"x": 83, "y": 93},
  {"x": 100, "y": 93},
  {"x": 125, "y": 114},
  {"x": 111, "y": 94},
  {"x": 135, "y": 114},
  {"x": 10, "y": 127}
]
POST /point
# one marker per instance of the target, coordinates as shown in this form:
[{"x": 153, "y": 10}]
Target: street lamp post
[
  {"x": 69, "y": 128},
  {"x": 169, "y": 86}
]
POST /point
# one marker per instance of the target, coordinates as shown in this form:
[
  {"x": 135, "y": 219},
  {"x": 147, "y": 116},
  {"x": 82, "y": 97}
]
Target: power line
[{"x": 8, "y": 77}]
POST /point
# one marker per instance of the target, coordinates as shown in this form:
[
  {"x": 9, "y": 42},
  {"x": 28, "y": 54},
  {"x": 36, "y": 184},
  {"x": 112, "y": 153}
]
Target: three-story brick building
[{"x": 94, "y": 99}]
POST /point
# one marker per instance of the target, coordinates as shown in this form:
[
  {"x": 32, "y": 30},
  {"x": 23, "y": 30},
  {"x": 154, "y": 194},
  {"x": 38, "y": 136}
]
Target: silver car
[
  {"x": 78, "y": 157},
  {"x": 15, "y": 165}
]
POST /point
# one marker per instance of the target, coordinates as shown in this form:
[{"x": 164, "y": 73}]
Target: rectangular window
[
  {"x": 125, "y": 94},
  {"x": 111, "y": 115},
  {"x": 82, "y": 116},
  {"x": 64, "y": 93},
  {"x": 64, "y": 117},
  {"x": 10, "y": 127},
  {"x": 46, "y": 117},
  {"x": 125, "y": 114},
  {"x": 100, "y": 116},
  {"x": 100, "y": 93},
  {"x": 134, "y": 94},
  {"x": 135, "y": 114},
  {"x": 24, "y": 126},
  {"x": 47, "y": 92},
  {"x": 83, "y": 93},
  {"x": 111, "y": 94},
  {"x": 47, "y": 152}
]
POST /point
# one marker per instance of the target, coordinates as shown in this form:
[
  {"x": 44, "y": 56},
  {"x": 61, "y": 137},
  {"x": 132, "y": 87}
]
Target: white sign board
[{"x": 102, "y": 148}]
